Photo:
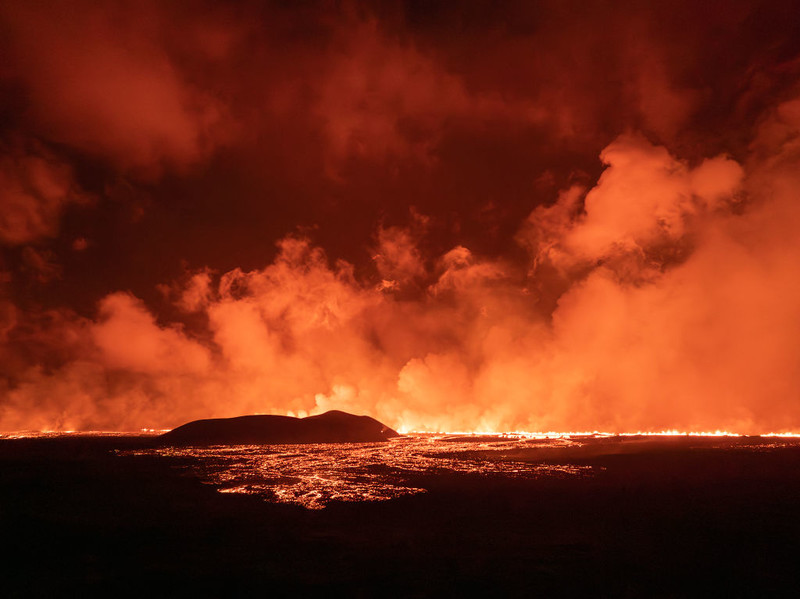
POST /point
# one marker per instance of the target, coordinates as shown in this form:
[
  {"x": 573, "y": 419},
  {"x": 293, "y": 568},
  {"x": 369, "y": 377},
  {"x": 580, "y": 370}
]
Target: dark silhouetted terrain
[
  {"x": 331, "y": 427},
  {"x": 656, "y": 520}
]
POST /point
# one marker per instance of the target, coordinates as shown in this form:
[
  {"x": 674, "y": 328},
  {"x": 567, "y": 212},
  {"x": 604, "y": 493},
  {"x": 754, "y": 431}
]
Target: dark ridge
[{"x": 330, "y": 427}]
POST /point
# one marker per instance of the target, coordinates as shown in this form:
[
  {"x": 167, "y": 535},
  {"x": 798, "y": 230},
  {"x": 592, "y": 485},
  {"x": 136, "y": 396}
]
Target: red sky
[{"x": 447, "y": 215}]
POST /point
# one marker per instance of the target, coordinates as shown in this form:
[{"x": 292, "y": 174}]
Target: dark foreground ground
[{"x": 660, "y": 520}]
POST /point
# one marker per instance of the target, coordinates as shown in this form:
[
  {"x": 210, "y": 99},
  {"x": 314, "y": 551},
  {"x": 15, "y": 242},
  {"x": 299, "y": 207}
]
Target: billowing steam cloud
[
  {"x": 662, "y": 293},
  {"x": 679, "y": 310}
]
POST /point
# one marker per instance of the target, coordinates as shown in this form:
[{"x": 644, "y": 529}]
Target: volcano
[{"x": 331, "y": 427}]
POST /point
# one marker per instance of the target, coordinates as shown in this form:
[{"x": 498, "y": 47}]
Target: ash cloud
[{"x": 522, "y": 216}]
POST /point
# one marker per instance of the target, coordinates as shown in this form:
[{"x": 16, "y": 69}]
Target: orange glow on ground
[
  {"x": 567, "y": 435},
  {"x": 501, "y": 435},
  {"x": 561, "y": 227},
  {"x": 313, "y": 475}
]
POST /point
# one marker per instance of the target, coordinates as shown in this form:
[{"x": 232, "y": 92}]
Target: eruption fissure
[{"x": 391, "y": 223}]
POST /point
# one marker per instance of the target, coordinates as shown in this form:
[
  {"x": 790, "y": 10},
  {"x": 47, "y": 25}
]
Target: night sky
[{"x": 447, "y": 215}]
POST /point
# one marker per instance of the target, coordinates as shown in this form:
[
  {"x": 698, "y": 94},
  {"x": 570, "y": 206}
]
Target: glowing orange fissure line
[
  {"x": 563, "y": 435},
  {"x": 504, "y": 434},
  {"x": 49, "y": 432}
]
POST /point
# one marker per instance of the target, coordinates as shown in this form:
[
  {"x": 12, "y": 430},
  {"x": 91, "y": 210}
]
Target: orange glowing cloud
[
  {"x": 698, "y": 340},
  {"x": 645, "y": 201},
  {"x": 129, "y": 339},
  {"x": 98, "y": 79},
  {"x": 382, "y": 97},
  {"x": 34, "y": 189},
  {"x": 562, "y": 223}
]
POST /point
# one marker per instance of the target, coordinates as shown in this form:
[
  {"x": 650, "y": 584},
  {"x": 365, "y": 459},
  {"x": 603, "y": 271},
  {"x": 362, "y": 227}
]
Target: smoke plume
[{"x": 532, "y": 218}]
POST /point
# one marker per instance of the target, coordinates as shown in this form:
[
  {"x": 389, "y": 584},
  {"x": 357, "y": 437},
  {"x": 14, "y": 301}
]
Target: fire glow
[
  {"x": 599, "y": 434},
  {"x": 389, "y": 224},
  {"x": 316, "y": 475}
]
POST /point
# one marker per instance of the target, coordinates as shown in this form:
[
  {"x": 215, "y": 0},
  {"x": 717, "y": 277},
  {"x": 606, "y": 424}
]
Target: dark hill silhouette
[{"x": 330, "y": 427}]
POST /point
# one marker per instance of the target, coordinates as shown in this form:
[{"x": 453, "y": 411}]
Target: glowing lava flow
[
  {"x": 314, "y": 475},
  {"x": 603, "y": 434}
]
